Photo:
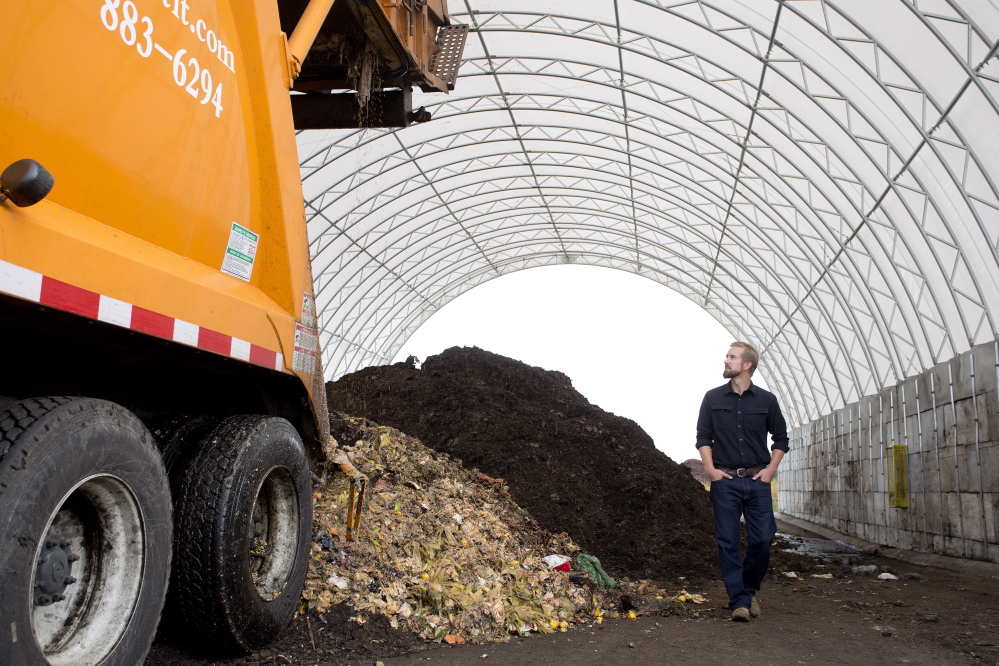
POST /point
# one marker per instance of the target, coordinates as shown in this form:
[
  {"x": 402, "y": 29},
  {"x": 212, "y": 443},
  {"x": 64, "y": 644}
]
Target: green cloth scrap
[{"x": 591, "y": 565}]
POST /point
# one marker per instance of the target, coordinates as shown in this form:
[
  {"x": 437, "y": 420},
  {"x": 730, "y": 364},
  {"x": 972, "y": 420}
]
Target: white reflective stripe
[
  {"x": 20, "y": 282},
  {"x": 185, "y": 332},
  {"x": 240, "y": 349},
  {"x": 114, "y": 311},
  {"x": 27, "y": 284}
]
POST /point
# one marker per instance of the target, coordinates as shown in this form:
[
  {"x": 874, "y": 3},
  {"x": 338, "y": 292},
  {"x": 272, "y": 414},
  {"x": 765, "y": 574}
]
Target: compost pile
[
  {"x": 574, "y": 467},
  {"x": 697, "y": 471},
  {"x": 444, "y": 552}
]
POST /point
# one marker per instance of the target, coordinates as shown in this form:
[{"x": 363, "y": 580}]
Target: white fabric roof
[{"x": 819, "y": 176}]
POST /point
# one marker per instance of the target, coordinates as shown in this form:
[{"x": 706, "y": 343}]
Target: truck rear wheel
[
  {"x": 244, "y": 520},
  {"x": 85, "y": 517}
]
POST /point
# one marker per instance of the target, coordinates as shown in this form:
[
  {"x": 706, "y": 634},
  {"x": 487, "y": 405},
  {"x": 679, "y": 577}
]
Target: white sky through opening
[{"x": 631, "y": 346}]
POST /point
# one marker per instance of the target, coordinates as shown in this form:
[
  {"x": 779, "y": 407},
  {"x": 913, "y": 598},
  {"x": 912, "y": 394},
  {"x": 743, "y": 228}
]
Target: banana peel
[{"x": 686, "y": 597}]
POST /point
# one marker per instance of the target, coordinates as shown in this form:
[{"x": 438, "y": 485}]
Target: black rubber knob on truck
[{"x": 25, "y": 183}]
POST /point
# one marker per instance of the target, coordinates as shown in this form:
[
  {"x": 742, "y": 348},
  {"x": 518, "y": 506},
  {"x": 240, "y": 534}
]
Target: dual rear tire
[
  {"x": 243, "y": 524},
  {"x": 86, "y": 518}
]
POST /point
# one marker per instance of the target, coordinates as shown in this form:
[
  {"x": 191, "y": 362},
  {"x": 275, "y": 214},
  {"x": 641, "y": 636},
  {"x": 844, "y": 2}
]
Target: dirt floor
[{"x": 927, "y": 616}]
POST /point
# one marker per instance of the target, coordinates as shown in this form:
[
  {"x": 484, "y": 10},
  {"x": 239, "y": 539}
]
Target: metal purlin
[
  {"x": 745, "y": 143},
  {"x": 513, "y": 119},
  {"x": 627, "y": 132}
]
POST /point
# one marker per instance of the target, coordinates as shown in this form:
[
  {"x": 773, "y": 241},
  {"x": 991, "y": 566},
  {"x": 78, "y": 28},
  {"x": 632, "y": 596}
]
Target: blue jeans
[{"x": 731, "y": 499}]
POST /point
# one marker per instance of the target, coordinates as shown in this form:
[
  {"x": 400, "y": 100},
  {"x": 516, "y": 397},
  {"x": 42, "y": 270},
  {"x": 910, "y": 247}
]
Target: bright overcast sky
[{"x": 631, "y": 346}]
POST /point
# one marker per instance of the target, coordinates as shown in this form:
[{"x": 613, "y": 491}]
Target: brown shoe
[
  {"x": 754, "y": 608},
  {"x": 740, "y": 614}
]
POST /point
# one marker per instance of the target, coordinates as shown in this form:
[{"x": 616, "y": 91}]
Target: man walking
[{"x": 732, "y": 429}]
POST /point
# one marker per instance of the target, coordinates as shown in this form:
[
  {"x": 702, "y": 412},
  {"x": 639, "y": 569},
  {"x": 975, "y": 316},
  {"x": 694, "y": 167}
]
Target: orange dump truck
[{"x": 161, "y": 397}]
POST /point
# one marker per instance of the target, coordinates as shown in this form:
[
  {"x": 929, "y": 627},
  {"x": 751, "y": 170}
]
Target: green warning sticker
[{"x": 240, "y": 252}]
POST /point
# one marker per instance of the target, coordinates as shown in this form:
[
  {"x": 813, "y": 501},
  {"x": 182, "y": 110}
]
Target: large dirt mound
[{"x": 573, "y": 466}]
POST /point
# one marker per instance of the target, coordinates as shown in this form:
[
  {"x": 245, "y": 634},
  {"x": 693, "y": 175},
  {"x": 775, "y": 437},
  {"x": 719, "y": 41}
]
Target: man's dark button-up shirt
[{"x": 736, "y": 426}]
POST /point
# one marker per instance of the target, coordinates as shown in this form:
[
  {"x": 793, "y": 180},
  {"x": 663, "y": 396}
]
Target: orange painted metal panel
[{"x": 167, "y": 127}]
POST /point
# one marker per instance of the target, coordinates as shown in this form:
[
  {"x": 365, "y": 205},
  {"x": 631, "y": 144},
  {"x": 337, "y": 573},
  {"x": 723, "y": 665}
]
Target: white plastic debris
[
  {"x": 555, "y": 560},
  {"x": 887, "y": 576},
  {"x": 338, "y": 581}
]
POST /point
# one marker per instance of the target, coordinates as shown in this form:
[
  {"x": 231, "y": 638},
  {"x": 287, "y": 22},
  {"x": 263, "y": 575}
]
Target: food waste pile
[
  {"x": 574, "y": 467},
  {"x": 444, "y": 552}
]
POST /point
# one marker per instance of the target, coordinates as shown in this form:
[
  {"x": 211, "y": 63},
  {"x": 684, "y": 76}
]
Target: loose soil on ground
[{"x": 928, "y": 617}]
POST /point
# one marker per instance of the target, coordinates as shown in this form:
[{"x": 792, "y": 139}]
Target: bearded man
[{"x": 732, "y": 429}]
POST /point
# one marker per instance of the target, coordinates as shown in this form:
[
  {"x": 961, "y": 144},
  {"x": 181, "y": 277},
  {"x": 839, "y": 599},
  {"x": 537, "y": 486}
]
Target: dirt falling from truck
[{"x": 573, "y": 466}]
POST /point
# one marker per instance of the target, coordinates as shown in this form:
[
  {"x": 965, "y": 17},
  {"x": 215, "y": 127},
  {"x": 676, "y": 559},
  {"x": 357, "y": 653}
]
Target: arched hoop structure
[{"x": 820, "y": 176}]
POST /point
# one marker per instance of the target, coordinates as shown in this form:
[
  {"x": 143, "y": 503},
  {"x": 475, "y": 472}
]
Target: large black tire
[
  {"x": 244, "y": 519},
  {"x": 85, "y": 522},
  {"x": 179, "y": 438}
]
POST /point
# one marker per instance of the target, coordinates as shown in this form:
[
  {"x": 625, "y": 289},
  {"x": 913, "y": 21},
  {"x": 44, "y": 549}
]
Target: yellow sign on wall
[{"x": 898, "y": 489}]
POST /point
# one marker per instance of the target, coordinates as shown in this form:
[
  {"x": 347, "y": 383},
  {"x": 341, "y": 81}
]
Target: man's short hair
[{"x": 749, "y": 354}]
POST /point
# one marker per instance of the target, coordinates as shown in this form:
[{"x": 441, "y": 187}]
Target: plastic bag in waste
[{"x": 592, "y": 566}]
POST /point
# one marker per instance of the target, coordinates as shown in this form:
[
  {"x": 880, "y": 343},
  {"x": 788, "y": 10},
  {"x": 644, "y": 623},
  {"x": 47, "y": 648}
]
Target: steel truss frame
[{"x": 813, "y": 174}]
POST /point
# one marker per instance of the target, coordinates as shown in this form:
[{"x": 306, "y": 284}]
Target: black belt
[{"x": 742, "y": 471}]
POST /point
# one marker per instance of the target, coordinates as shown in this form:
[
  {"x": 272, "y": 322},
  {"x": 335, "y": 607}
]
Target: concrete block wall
[{"x": 835, "y": 473}]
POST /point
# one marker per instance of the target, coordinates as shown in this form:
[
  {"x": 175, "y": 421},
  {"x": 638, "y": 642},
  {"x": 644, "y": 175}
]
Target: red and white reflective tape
[{"x": 38, "y": 288}]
